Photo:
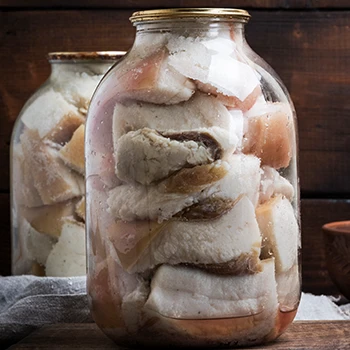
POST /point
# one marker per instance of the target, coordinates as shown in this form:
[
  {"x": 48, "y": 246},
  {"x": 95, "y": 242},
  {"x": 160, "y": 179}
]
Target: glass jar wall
[
  {"x": 47, "y": 167},
  {"x": 192, "y": 188}
]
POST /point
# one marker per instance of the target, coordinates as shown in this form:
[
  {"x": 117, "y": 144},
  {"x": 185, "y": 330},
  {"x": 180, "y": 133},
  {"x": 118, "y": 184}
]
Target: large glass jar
[
  {"x": 47, "y": 167},
  {"x": 192, "y": 188}
]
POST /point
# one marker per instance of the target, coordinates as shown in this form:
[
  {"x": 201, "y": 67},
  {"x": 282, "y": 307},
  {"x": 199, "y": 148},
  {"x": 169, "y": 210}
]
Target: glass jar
[
  {"x": 47, "y": 167},
  {"x": 192, "y": 188}
]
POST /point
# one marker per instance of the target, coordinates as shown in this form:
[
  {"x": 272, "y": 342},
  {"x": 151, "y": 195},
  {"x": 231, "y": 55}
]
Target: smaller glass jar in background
[{"x": 47, "y": 167}]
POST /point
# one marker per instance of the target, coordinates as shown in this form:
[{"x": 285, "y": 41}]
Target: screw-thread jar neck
[
  {"x": 191, "y": 22},
  {"x": 90, "y": 62}
]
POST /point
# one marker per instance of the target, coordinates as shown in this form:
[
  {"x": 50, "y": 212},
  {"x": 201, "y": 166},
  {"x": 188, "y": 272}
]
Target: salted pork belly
[
  {"x": 73, "y": 152},
  {"x": 146, "y": 155},
  {"x": 78, "y": 91},
  {"x": 216, "y": 71},
  {"x": 152, "y": 80},
  {"x": 38, "y": 245},
  {"x": 269, "y": 136},
  {"x": 160, "y": 202},
  {"x": 288, "y": 288},
  {"x": 53, "y": 180},
  {"x": 186, "y": 293},
  {"x": 24, "y": 190},
  {"x": 68, "y": 256},
  {"x": 195, "y": 113},
  {"x": 232, "y": 240},
  {"x": 47, "y": 219},
  {"x": 280, "y": 232},
  {"x": 46, "y": 111},
  {"x": 239, "y": 175},
  {"x": 272, "y": 183}
]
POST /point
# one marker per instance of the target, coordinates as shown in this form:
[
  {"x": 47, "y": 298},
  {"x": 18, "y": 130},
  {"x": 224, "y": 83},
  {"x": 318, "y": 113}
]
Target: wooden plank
[
  {"x": 309, "y": 50},
  {"x": 149, "y": 4},
  {"x": 321, "y": 335},
  {"x": 314, "y": 214}
]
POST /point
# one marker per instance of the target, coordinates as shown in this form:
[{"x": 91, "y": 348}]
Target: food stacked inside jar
[
  {"x": 48, "y": 167},
  {"x": 192, "y": 193}
]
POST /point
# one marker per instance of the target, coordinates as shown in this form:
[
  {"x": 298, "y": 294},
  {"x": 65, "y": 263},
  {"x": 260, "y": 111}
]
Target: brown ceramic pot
[{"x": 336, "y": 237}]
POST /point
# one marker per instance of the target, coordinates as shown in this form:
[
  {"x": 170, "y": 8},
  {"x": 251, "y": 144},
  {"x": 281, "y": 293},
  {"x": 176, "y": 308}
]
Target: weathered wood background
[{"x": 306, "y": 42}]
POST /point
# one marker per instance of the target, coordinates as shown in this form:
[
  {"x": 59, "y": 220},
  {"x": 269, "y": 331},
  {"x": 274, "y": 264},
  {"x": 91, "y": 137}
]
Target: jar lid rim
[
  {"x": 85, "y": 56},
  {"x": 163, "y": 14}
]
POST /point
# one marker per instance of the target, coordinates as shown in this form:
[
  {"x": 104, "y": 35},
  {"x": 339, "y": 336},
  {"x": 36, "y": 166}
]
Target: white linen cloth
[{"x": 28, "y": 302}]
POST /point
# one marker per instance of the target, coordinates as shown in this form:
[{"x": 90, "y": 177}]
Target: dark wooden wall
[{"x": 307, "y": 43}]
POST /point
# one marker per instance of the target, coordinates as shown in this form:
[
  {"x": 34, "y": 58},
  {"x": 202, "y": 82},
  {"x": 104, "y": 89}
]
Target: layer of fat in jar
[
  {"x": 229, "y": 244},
  {"x": 240, "y": 175},
  {"x": 216, "y": 70},
  {"x": 193, "y": 114},
  {"x": 53, "y": 180},
  {"x": 146, "y": 155},
  {"x": 193, "y": 291},
  {"x": 153, "y": 80},
  {"x": 272, "y": 183},
  {"x": 68, "y": 256},
  {"x": 46, "y": 111},
  {"x": 280, "y": 232},
  {"x": 78, "y": 87},
  {"x": 180, "y": 292},
  {"x": 269, "y": 136},
  {"x": 73, "y": 152}
]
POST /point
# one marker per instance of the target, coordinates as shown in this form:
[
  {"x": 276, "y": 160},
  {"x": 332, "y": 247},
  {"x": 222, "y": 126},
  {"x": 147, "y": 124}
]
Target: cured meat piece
[
  {"x": 288, "y": 288},
  {"x": 52, "y": 179},
  {"x": 145, "y": 155},
  {"x": 272, "y": 183},
  {"x": 232, "y": 101},
  {"x": 185, "y": 293},
  {"x": 46, "y": 111},
  {"x": 73, "y": 152},
  {"x": 216, "y": 72},
  {"x": 280, "y": 232},
  {"x": 39, "y": 245},
  {"x": 80, "y": 208},
  {"x": 48, "y": 219},
  {"x": 63, "y": 131},
  {"x": 78, "y": 91},
  {"x": 233, "y": 238},
  {"x": 67, "y": 257},
  {"x": 240, "y": 175},
  {"x": 270, "y": 137},
  {"x": 162, "y": 201},
  {"x": 153, "y": 80},
  {"x": 23, "y": 183},
  {"x": 193, "y": 114}
]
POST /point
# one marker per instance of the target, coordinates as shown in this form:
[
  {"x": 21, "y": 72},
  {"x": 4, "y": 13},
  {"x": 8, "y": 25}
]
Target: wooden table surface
[{"x": 321, "y": 335}]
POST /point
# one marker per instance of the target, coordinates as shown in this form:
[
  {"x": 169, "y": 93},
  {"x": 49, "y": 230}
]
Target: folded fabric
[{"x": 29, "y": 302}]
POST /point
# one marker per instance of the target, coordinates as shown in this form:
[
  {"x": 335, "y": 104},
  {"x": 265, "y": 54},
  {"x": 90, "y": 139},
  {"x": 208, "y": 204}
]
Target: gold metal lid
[
  {"x": 85, "y": 56},
  {"x": 165, "y": 14}
]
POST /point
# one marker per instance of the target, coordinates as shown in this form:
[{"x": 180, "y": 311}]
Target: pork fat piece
[
  {"x": 153, "y": 80},
  {"x": 146, "y": 155},
  {"x": 240, "y": 175},
  {"x": 233, "y": 238},
  {"x": 180, "y": 292},
  {"x": 279, "y": 229},
  {"x": 273, "y": 183}
]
